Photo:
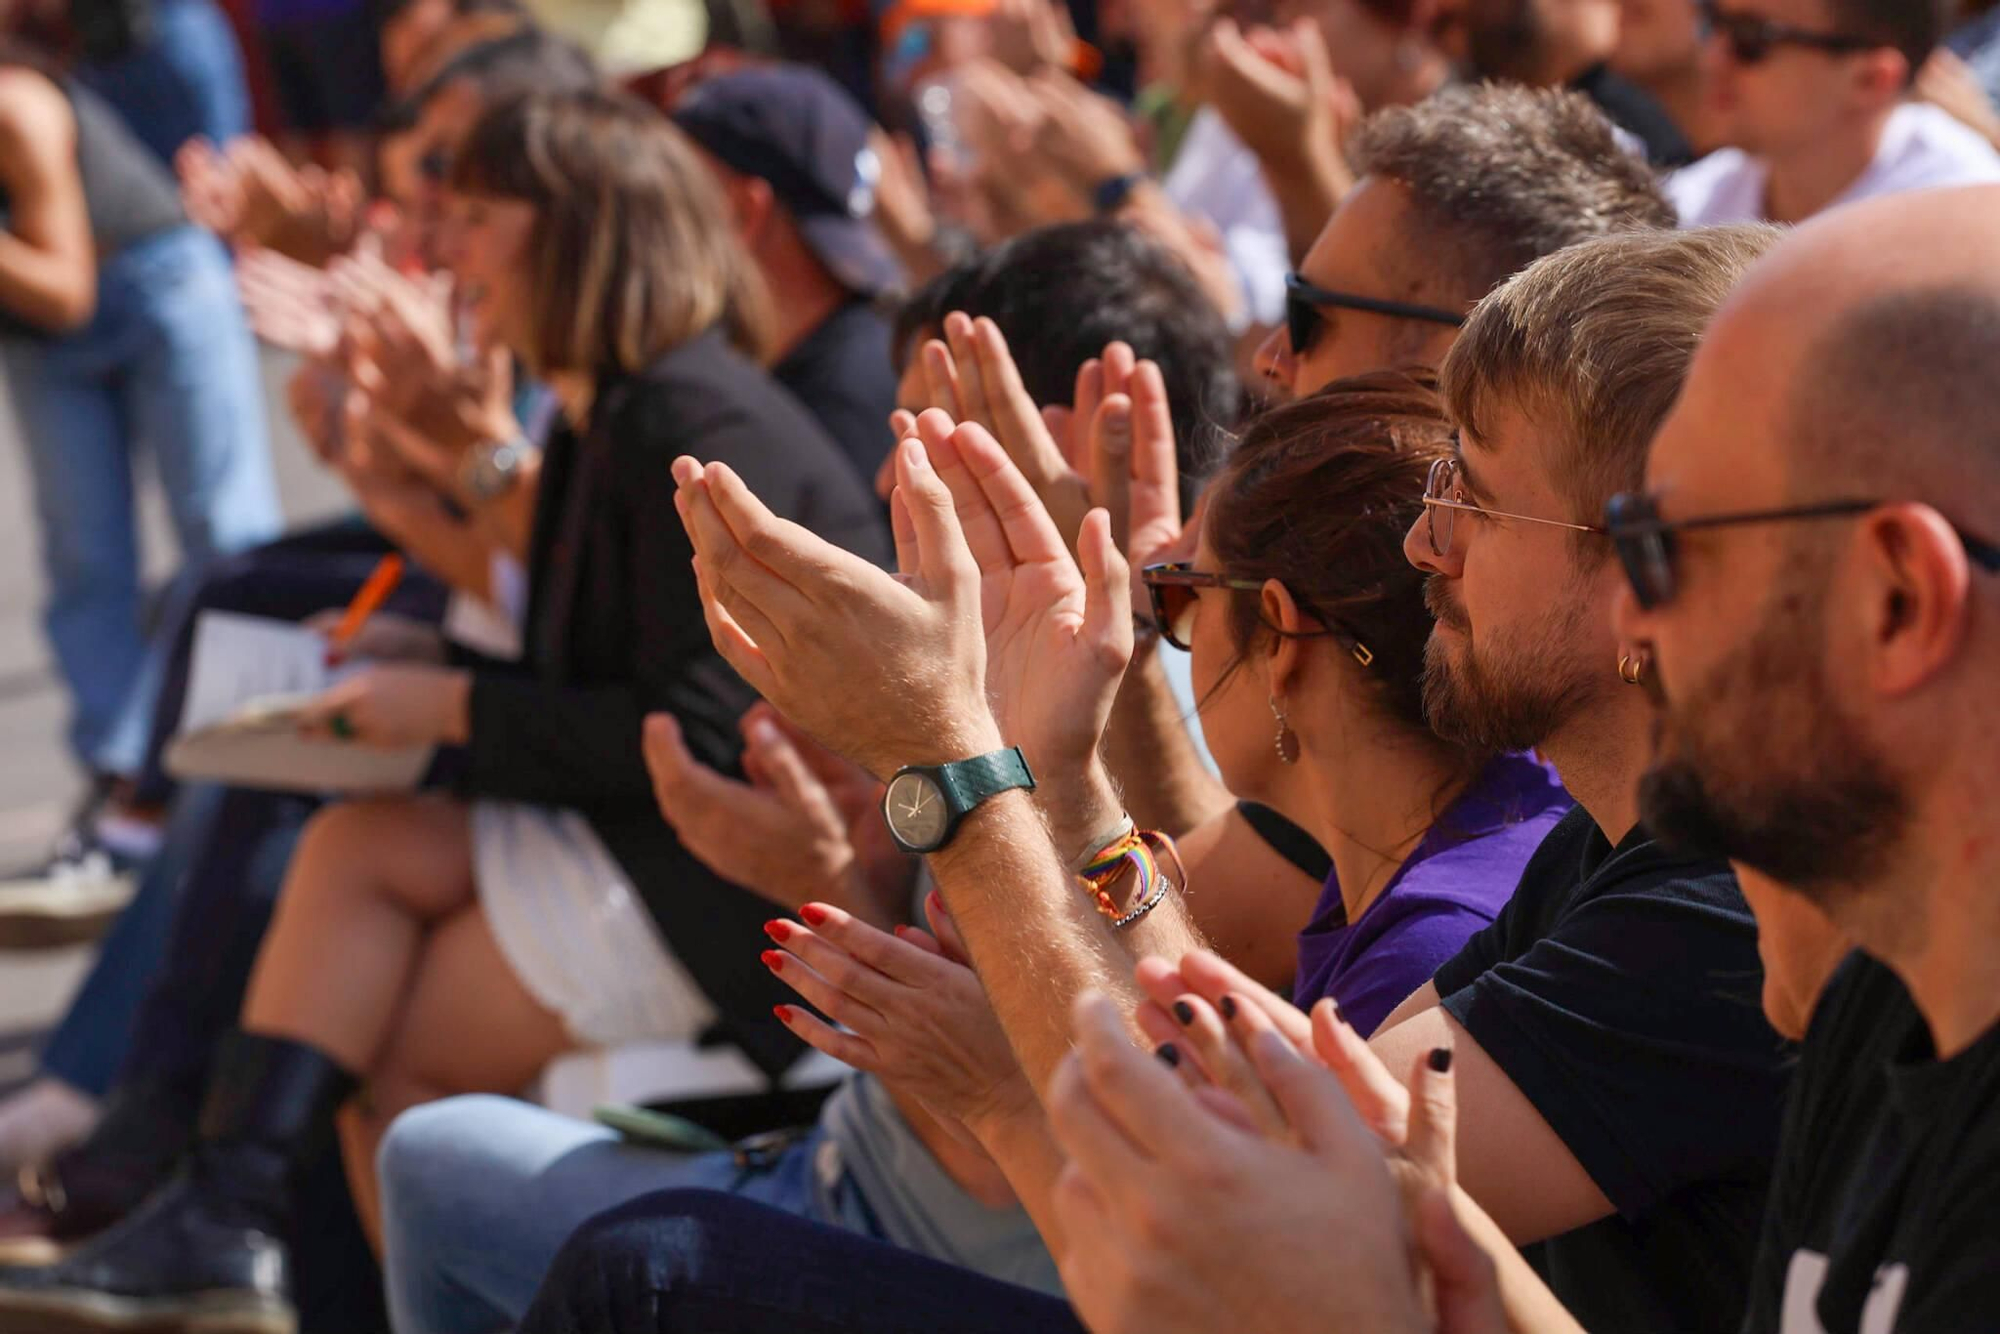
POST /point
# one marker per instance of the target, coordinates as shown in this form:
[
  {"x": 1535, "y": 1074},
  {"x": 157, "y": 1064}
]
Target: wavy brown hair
[
  {"x": 631, "y": 252},
  {"x": 1318, "y": 497}
]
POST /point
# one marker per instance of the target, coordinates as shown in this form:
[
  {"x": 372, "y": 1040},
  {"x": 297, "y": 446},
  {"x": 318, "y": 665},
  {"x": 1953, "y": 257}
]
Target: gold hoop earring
[
  {"x": 1287, "y": 742},
  {"x": 1632, "y": 668}
]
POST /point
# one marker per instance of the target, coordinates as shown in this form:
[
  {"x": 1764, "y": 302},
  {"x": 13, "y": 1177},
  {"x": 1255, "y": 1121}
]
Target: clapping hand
[
  {"x": 887, "y": 671},
  {"x": 801, "y": 826},
  {"x": 1277, "y": 90},
  {"x": 1058, "y": 637},
  {"x": 1162, "y": 1177},
  {"x": 915, "y": 1013}
]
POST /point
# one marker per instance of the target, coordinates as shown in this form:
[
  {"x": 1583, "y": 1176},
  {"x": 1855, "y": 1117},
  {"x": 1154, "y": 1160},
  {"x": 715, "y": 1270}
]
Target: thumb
[
  {"x": 786, "y": 770},
  {"x": 1465, "y": 1285},
  {"x": 1432, "y": 1142},
  {"x": 1107, "y": 596},
  {"x": 497, "y": 371}
]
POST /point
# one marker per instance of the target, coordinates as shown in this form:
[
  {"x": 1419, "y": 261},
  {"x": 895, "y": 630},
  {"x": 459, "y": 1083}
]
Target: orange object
[{"x": 374, "y": 591}]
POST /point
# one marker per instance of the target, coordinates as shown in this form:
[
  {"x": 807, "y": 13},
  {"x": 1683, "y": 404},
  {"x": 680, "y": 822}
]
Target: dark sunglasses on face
[
  {"x": 1174, "y": 587},
  {"x": 1752, "y": 37},
  {"x": 1645, "y": 542},
  {"x": 1304, "y": 302}
]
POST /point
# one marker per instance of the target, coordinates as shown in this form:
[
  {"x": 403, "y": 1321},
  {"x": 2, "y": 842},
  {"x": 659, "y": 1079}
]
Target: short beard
[
  {"x": 1514, "y": 702},
  {"x": 1759, "y": 764}
]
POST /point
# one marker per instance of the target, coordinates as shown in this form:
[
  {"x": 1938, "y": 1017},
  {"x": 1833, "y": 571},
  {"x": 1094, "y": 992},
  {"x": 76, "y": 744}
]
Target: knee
[
  {"x": 351, "y": 834},
  {"x": 644, "y": 1265},
  {"x": 433, "y": 1166}
]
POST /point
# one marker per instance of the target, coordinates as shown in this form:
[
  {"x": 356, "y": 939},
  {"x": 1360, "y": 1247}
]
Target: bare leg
[
  {"x": 368, "y": 880},
  {"x": 467, "y": 1025}
]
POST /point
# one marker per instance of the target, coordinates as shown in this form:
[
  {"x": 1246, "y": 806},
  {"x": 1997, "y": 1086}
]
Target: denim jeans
[
  {"x": 479, "y": 1193},
  {"x": 696, "y": 1262},
  {"x": 187, "y": 81},
  {"x": 167, "y": 367}
]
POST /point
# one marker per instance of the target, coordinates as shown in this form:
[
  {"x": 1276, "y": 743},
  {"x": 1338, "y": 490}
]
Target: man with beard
[
  {"x": 1812, "y": 568},
  {"x": 1613, "y": 1008}
]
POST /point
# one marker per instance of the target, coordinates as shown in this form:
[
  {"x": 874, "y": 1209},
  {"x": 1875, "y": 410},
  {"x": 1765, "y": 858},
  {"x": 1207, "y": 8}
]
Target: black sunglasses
[
  {"x": 1752, "y": 37},
  {"x": 1173, "y": 587},
  {"x": 1645, "y": 542},
  {"x": 1303, "y": 303}
]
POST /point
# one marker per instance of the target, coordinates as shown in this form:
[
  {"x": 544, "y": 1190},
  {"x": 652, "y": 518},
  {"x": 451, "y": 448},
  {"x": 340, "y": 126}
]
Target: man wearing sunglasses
[
  {"x": 1814, "y": 569},
  {"x": 1812, "y": 96},
  {"x": 1454, "y": 195}
]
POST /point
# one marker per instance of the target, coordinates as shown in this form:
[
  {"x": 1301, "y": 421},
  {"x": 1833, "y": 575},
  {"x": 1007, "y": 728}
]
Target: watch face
[{"x": 916, "y": 810}]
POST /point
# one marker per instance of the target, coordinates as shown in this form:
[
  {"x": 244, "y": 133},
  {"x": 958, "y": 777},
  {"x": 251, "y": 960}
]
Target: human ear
[
  {"x": 1283, "y": 621},
  {"x": 1917, "y": 583}
]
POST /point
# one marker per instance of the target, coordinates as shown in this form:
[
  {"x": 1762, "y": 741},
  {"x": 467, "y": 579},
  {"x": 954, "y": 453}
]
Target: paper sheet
[{"x": 247, "y": 680}]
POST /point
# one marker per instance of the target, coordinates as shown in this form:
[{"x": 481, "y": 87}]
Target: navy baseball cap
[{"x": 798, "y": 130}]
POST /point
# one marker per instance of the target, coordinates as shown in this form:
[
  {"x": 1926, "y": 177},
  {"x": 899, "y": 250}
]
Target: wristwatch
[
  {"x": 925, "y": 803},
  {"x": 491, "y": 470}
]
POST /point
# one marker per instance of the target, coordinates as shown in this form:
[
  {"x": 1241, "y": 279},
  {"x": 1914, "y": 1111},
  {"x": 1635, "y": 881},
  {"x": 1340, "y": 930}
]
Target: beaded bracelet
[{"x": 1142, "y": 849}]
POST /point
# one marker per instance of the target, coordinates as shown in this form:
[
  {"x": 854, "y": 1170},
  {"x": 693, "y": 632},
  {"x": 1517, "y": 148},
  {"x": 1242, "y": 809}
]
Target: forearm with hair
[
  {"x": 1153, "y": 758},
  {"x": 1037, "y": 940}
]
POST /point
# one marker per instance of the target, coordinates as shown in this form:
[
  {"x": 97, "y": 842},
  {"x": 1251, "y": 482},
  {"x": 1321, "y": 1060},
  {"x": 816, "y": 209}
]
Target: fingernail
[
  {"x": 779, "y": 931},
  {"x": 901, "y": 931},
  {"x": 913, "y": 454},
  {"x": 1228, "y": 1006},
  {"x": 813, "y": 914},
  {"x": 1335, "y": 1006},
  {"x": 1441, "y": 1059},
  {"x": 784, "y": 1013},
  {"x": 773, "y": 959},
  {"x": 1184, "y": 1012},
  {"x": 1169, "y": 1054}
]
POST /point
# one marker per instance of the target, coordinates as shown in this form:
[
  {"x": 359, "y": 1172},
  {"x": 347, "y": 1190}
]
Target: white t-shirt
[
  {"x": 1921, "y": 147},
  {"x": 1216, "y": 176}
]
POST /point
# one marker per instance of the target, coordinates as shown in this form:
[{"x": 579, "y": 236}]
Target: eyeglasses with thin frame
[
  {"x": 1645, "y": 542},
  {"x": 1752, "y": 37},
  {"x": 1444, "y": 500},
  {"x": 1173, "y": 587},
  {"x": 1305, "y": 302}
]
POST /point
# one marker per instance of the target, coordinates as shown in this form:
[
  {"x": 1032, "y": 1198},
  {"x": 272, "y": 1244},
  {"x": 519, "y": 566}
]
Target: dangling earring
[
  {"x": 1632, "y": 667},
  {"x": 1288, "y": 740}
]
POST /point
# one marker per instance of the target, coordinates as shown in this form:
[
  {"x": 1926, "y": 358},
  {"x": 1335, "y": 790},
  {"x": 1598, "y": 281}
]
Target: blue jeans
[
  {"x": 166, "y": 366},
  {"x": 695, "y": 1262},
  {"x": 480, "y": 1192},
  {"x": 187, "y": 81}
]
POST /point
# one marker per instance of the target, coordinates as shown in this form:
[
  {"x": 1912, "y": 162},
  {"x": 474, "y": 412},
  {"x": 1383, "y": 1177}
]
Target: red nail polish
[
  {"x": 784, "y": 1013},
  {"x": 779, "y": 931},
  {"x": 773, "y": 959},
  {"x": 814, "y": 914}
]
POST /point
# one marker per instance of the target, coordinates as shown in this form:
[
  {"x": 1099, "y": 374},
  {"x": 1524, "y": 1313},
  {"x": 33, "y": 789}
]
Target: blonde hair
[
  {"x": 631, "y": 253},
  {"x": 1593, "y": 343}
]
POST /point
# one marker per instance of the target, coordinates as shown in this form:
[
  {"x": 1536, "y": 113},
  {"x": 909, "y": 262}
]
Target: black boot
[
  {"x": 205, "y": 1251},
  {"x": 145, "y": 1130}
]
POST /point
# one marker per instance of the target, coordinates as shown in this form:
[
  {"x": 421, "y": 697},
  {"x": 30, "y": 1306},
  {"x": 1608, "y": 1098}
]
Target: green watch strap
[{"x": 966, "y": 783}]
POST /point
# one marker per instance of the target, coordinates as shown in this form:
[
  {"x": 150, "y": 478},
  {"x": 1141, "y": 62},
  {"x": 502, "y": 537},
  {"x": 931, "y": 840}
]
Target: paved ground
[{"x": 37, "y": 780}]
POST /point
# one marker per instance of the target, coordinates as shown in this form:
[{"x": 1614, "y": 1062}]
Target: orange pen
[{"x": 374, "y": 591}]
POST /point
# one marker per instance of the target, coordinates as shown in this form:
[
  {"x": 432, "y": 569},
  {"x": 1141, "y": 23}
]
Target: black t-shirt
[
  {"x": 1635, "y": 111},
  {"x": 1620, "y": 990},
  {"x": 843, "y": 373},
  {"x": 1885, "y": 1208}
]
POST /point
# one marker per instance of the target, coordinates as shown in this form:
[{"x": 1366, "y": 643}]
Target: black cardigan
[{"x": 614, "y": 631}]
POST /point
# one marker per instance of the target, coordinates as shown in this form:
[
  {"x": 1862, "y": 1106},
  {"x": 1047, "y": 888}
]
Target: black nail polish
[
  {"x": 1169, "y": 1054},
  {"x": 1228, "y": 1007},
  {"x": 1441, "y": 1059},
  {"x": 1184, "y": 1012}
]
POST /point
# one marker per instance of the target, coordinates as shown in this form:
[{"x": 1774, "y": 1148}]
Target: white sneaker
[{"x": 71, "y": 899}]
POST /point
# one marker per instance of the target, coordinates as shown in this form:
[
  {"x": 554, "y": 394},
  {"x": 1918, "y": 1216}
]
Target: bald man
[{"x": 1814, "y": 570}]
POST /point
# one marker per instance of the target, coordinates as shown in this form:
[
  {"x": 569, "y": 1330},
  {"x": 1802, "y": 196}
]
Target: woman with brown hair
[{"x": 455, "y": 943}]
